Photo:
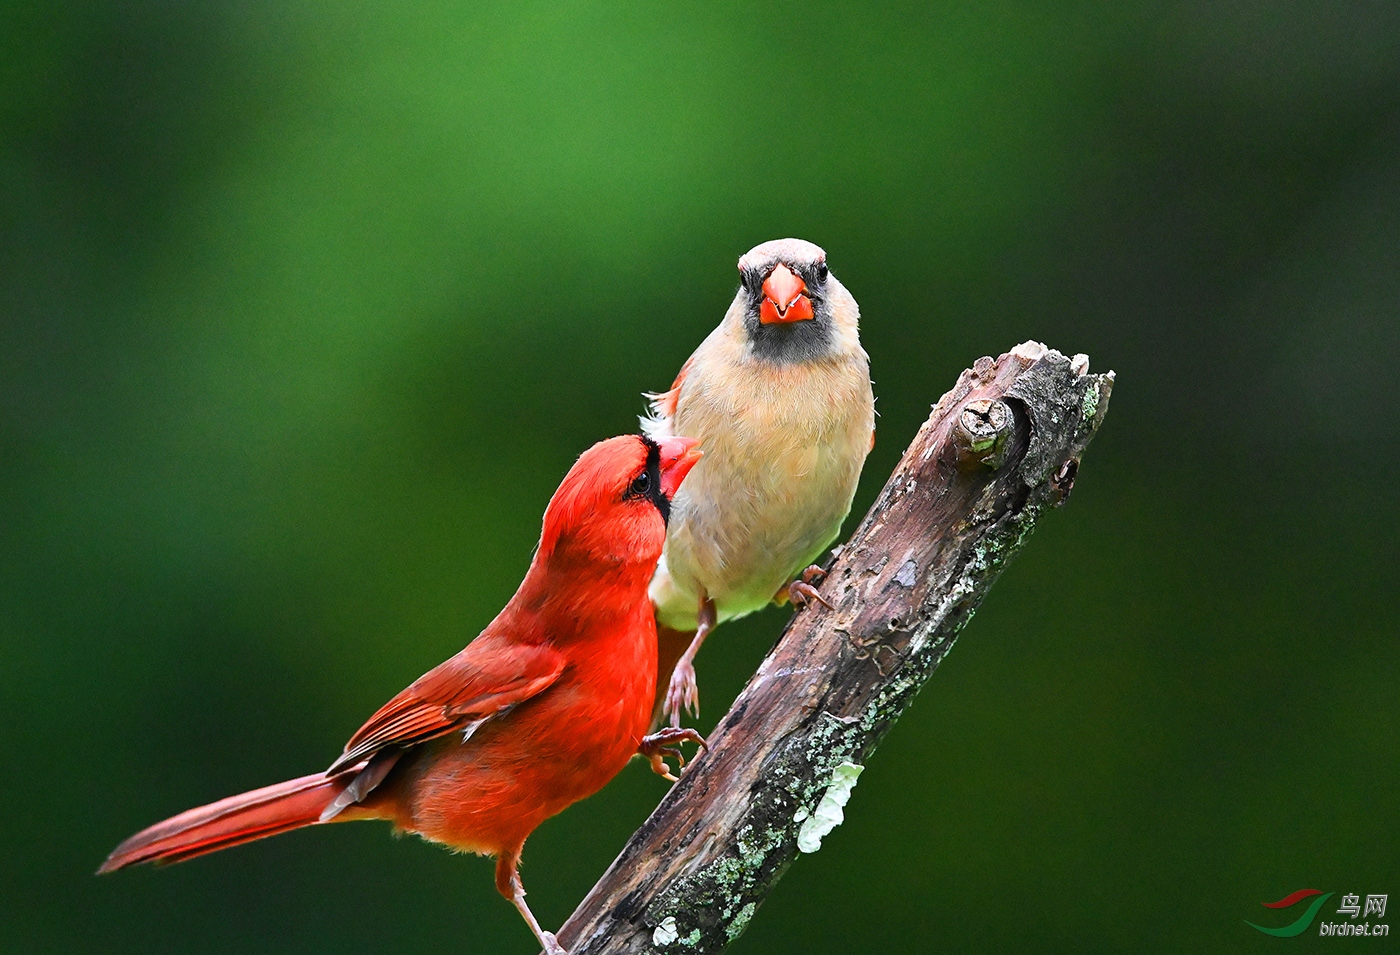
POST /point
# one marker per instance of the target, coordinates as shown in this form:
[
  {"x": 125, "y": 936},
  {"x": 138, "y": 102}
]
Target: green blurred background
[{"x": 308, "y": 306}]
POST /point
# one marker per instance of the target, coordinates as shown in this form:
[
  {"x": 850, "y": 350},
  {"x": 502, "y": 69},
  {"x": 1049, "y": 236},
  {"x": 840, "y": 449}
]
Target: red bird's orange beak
[
  {"x": 678, "y": 456},
  {"x": 784, "y": 298}
]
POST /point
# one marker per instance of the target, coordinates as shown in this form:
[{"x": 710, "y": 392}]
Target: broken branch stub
[{"x": 999, "y": 448}]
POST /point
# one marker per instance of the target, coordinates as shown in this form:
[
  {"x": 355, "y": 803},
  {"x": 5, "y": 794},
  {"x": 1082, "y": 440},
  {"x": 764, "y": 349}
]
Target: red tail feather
[{"x": 231, "y": 821}]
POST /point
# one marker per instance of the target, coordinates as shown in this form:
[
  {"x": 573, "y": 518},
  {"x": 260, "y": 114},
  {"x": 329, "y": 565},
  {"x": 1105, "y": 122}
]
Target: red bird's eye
[{"x": 640, "y": 486}]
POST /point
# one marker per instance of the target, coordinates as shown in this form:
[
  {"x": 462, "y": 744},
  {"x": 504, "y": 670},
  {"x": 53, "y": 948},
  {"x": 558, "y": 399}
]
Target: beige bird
[{"x": 779, "y": 395}]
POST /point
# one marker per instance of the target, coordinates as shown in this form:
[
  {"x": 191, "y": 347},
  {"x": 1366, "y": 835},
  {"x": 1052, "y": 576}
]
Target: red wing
[
  {"x": 486, "y": 678},
  {"x": 663, "y": 404}
]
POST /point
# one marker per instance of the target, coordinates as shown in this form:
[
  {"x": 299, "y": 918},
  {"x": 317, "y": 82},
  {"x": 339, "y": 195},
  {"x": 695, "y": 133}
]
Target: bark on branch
[{"x": 998, "y": 449}]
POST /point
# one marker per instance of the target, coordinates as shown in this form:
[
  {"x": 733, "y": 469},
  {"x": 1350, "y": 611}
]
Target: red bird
[
  {"x": 538, "y": 712},
  {"x": 779, "y": 395}
]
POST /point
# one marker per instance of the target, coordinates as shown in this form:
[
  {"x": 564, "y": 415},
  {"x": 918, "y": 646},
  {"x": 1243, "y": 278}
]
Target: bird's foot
[
  {"x": 683, "y": 691},
  {"x": 803, "y": 590},
  {"x": 551, "y": 944},
  {"x": 665, "y": 743}
]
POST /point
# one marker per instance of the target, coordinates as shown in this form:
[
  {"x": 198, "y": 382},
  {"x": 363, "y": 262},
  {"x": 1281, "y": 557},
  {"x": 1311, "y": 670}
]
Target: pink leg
[
  {"x": 683, "y": 689},
  {"x": 663, "y": 743},
  {"x": 803, "y": 590},
  {"x": 508, "y": 884}
]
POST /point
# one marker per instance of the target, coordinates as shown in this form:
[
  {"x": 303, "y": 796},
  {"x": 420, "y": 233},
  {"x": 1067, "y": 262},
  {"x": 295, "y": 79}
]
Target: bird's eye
[
  {"x": 821, "y": 271},
  {"x": 640, "y": 486}
]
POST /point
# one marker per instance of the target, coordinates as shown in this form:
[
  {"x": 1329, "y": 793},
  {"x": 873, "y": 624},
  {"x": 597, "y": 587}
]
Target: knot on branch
[{"x": 981, "y": 432}]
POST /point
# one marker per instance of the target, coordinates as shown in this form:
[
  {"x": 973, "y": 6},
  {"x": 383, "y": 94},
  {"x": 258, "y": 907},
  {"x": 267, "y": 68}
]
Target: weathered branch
[{"x": 998, "y": 449}]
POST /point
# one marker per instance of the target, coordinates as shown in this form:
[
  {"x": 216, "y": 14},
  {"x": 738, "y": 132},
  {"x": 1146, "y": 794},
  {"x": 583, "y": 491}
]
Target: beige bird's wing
[{"x": 663, "y": 405}]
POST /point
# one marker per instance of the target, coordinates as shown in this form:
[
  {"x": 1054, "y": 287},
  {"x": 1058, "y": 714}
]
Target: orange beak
[
  {"x": 784, "y": 298},
  {"x": 678, "y": 456}
]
